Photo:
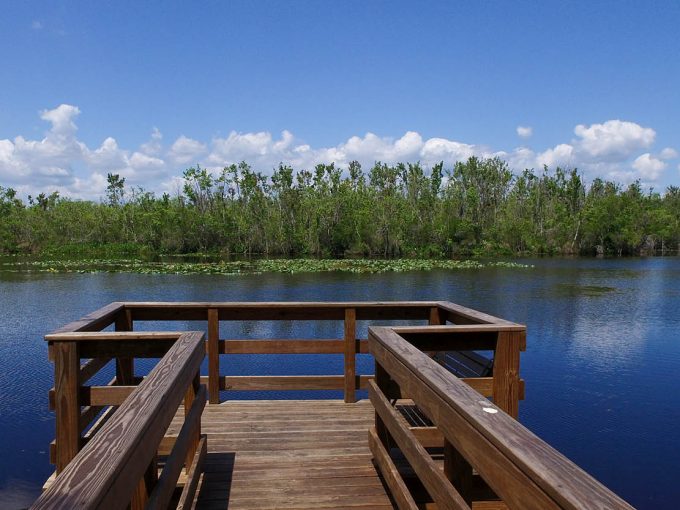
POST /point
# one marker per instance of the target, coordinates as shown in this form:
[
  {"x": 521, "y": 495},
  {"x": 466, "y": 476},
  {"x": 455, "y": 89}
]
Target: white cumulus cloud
[
  {"x": 525, "y": 131},
  {"x": 649, "y": 167},
  {"x": 614, "y": 149},
  {"x": 614, "y": 139},
  {"x": 560, "y": 155},
  {"x": 668, "y": 153},
  {"x": 186, "y": 150}
]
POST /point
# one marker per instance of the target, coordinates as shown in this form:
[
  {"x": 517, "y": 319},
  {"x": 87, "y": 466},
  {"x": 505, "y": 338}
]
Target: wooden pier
[{"x": 424, "y": 439}]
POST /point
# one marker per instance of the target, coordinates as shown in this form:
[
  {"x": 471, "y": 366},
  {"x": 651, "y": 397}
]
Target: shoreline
[{"x": 290, "y": 266}]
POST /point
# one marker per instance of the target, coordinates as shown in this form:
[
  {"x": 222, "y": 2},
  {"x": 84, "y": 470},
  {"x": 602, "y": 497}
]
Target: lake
[{"x": 602, "y": 365}]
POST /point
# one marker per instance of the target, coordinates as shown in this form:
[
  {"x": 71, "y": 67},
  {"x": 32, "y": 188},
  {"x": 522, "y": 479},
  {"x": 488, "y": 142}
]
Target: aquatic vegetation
[
  {"x": 572, "y": 289},
  {"x": 477, "y": 208},
  {"x": 251, "y": 266}
]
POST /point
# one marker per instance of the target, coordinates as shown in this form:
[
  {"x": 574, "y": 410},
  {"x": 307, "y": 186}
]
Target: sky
[{"x": 148, "y": 89}]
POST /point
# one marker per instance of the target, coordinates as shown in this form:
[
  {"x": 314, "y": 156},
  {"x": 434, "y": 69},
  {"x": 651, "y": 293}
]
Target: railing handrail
[
  {"x": 99, "y": 319},
  {"x": 105, "y": 473},
  {"x": 459, "y": 413},
  {"x": 124, "y": 314}
]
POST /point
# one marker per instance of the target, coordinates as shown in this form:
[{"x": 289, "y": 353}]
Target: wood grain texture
[
  {"x": 186, "y": 499},
  {"x": 435, "y": 316},
  {"x": 393, "y": 479},
  {"x": 287, "y": 382},
  {"x": 350, "y": 324},
  {"x": 289, "y": 346},
  {"x": 459, "y": 314},
  {"x": 506, "y": 385},
  {"x": 66, "y": 402},
  {"x": 441, "y": 490},
  {"x": 459, "y": 471},
  {"x": 105, "y": 395},
  {"x": 106, "y": 472},
  {"x": 388, "y": 310},
  {"x": 274, "y": 454},
  {"x": 162, "y": 494},
  {"x": 213, "y": 356},
  {"x": 95, "y": 321},
  {"x": 112, "y": 336},
  {"x": 91, "y": 367},
  {"x": 522, "y": 469},
  {"x": 125, "y": 365},
  {"x": 288, "y": 454},
  {"x": 88, "y": 414}
]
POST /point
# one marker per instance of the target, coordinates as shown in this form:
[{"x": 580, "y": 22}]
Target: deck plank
[{"x": 289, "y": 455}]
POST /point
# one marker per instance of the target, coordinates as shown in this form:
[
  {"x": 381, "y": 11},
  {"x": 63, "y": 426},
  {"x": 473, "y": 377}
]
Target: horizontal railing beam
[
  {"x": 288, "y": 346},
  {"x": 286, "y": 382},
  {"x": 232, "y": 311}
]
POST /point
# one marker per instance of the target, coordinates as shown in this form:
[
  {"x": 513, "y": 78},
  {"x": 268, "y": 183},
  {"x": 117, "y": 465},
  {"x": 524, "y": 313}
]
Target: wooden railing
[
  {"x": 118, "y": 465},
  {"x": 487, "y": 455},
  {"x": 430, "y": 312},
  {"x": 348, "y": 346},
  {"x": 81, "y": 409}
]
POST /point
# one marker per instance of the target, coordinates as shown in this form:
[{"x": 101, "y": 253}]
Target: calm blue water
[{"x": 602, "y": 366}]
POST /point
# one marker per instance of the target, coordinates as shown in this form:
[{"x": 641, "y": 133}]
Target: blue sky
[{"x": 146, "y": 89}]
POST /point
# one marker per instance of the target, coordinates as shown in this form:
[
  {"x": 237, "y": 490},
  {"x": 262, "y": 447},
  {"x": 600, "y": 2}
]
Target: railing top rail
[
  {"x": 94, "y": 321},
  {"x": 294, "y": 310},
  {"x": 457, "y": 328},
  {"x": 78, "y": 336},
  {"x": 470, "y": 314},
  {"x": 280, "y": 304},
  {"x": 557, "y": 476},
  {"x": 106, "y": 471}
]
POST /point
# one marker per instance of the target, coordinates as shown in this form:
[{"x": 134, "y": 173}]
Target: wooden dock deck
[
  {"x": 288, "y": 454},
  {"x": 177, "y": 438}
]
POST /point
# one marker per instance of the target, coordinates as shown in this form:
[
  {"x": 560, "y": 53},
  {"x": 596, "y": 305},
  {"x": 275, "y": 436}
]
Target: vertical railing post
[
  {"x": 435, "y": 316},
  {"x": 125, "y": 367},
  {"x": 189, "y": 398},
  {"x": 458, "y": 471},
  {"x": 67, "y": 402},
  {"x": 384, "y": 382},
  {"x": 350, "y": 354},
  {"x": 213, "y": 356},
  {"x": 506, "y": 383}
]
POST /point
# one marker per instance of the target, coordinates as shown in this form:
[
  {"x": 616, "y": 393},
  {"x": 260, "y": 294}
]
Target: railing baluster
[
  {"x": 350, "y": 354},
  {"x": 213, "y": 356},
  {"x": 67, "y": 402},
  {"x": 383, "y": 381},
  {"x": 141, "y": 495},
  {"x": 506, "y": 385},
  {"x": 125, "y": 367},
  {"x": 458, "y": 471},
  {"x": 189, "y": 398},
  {"x": 435, "y": 316}
]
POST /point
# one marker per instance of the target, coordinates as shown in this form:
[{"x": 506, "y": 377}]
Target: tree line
[{"x": 477, "y": 207}]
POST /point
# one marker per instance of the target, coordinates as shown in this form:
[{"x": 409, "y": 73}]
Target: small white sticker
[{"x": 489, "y": 410}]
